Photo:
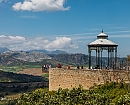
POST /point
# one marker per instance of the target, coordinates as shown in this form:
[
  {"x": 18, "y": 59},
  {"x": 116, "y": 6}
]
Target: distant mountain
[
  {"x": 73, "y": 59},
  {"x": 3, "y": 49},
  {"x": 58, "y": 52},
  {"x": 40, "y": 56},
  {"x": 20, "y": 57},
  {"x": 49, "y": 52},
  {"x": 31, "y": 56},
  {"x": 7, "y": 58}
]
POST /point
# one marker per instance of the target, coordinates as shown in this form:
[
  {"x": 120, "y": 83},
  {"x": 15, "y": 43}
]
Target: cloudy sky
[{"x": 68, "y": 25}]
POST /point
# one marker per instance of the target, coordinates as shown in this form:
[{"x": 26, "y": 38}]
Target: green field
[{"x": 16, "y": 69}]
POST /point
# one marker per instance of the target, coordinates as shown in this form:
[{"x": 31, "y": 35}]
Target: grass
[
  {"x": 16, "y": 69},
  {"x": 16, "y": 96},
  {"x": 45, "y": 75},
  {"x": 12, "y": 69}
]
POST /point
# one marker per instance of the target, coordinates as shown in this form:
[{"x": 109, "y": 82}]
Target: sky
[{"x": 68, "y": 25}]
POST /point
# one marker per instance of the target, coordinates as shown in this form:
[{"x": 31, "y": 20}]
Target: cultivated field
[{"x": 33, "y": 71}]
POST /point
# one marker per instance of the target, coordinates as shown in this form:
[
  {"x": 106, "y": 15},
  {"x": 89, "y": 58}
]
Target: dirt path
[{"x": 32, "y": 71}]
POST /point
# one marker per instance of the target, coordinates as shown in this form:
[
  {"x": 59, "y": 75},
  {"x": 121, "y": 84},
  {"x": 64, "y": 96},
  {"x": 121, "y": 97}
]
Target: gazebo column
[
  {"x": 89, "y": 51},
  {"x": 115, "y": 56},
  {"x": 108, "y": 57},
  {"x": 96, "y": 55},
  {"x": 99, "y": 57},
  {"x": 112, "y": 58}
]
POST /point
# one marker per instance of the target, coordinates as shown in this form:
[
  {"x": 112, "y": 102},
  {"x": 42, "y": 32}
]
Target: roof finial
[{"x": 102, "y": 30}]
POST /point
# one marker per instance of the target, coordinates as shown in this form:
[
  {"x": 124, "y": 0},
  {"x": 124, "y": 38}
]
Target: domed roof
[
  {"x": 102, "y": 40},
  {"x": 102, "y": 34}
]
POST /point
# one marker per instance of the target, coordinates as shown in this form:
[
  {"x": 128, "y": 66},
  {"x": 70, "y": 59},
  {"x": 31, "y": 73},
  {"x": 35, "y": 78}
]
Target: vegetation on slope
[
  {"x": 12, "y": 83},
  {"x": 108, "y": 94},
  {"x": 13, "y": 77},
  {"x": 72, "y": 59}
]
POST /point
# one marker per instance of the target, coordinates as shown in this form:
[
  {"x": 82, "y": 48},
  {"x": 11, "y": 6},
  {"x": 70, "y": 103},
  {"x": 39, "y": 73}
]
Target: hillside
[
  {"x": 10, "y": 58},
  {"x": 3, "y": 49},
  {"x": 16, "y": 58},
  {"x": 49, "y": 52},
  {"x": 12, "y": 83},
  {"x": 72, "y": 58},
  {"x": 13, "y": 77},
  {"x": 13, "y": 58},
  {"x": 31, "y": 57},
  {"x": 6, "y": 60}
]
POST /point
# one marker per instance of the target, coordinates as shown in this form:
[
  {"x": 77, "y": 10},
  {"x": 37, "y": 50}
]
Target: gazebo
[{"x": 100, "y": 44}]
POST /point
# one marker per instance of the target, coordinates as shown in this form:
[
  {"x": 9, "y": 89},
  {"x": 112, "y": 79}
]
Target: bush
[{"x": 110, "y": 93}]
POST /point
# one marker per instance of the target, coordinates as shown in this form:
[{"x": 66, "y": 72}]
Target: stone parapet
[{"x": 64, "y": 78}]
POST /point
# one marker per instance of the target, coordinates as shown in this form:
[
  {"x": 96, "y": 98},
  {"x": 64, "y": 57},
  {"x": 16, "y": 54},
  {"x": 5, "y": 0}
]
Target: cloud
[
  {"x": 61, "y": 43},
  {"x": 121, "y": 36},
  {"x": 18, "y": 43},
  {"x": 11, "y": 39},
  {"x": 29, "y": 17},
  {"x": 41, "y": 5}
]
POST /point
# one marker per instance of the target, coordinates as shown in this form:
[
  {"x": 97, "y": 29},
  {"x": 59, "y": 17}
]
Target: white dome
[{"x": 102, "y": 34}]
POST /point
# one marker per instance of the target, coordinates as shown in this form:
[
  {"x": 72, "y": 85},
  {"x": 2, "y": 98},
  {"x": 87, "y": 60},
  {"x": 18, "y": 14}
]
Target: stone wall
[{"x": 65, "y": 78}]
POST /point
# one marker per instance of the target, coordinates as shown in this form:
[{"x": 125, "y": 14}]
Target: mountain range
[
  {"x": 8, "y": 57},
  {"x": 49, "y": 52},
  {"x": 20, "y": 57},
  {"x": 4, "y": 49}
]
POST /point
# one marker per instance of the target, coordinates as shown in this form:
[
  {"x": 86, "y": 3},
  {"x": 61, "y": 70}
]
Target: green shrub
[{"x": 108, "y": 94}]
